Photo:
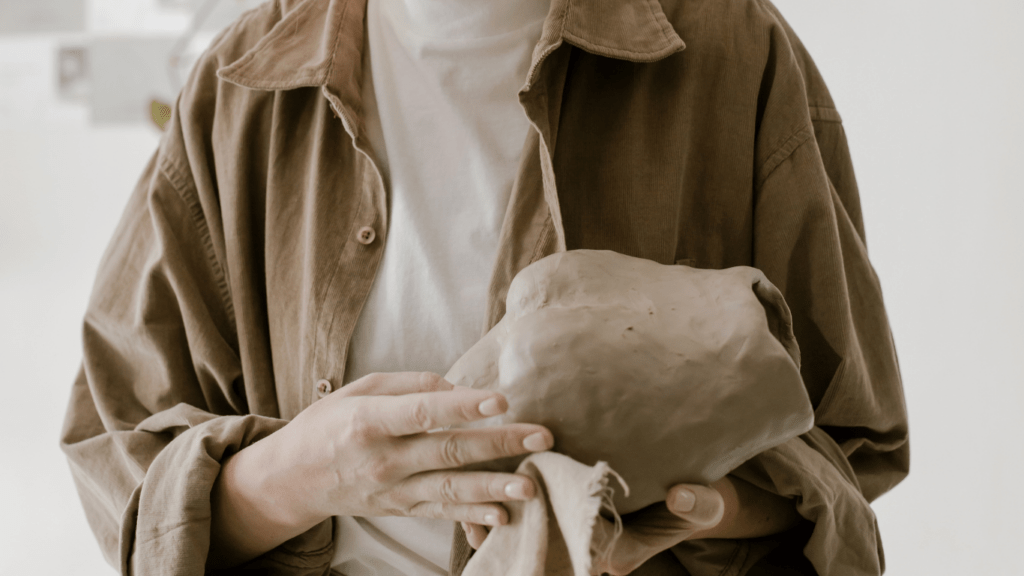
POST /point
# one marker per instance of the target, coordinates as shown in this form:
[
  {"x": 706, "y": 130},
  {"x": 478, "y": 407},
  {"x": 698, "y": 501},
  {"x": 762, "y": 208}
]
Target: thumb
[{"x": 702, "y": 506}]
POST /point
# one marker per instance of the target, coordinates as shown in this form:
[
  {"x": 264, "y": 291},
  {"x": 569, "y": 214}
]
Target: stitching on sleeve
[
  {"x": 182, "y": 184},
  {"x": 790, "y": 145}
]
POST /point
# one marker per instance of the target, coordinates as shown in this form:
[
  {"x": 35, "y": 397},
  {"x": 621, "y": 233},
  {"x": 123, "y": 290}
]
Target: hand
[
  {"x": 690, "y": 511},
  {"x": 365, "y": 450}
]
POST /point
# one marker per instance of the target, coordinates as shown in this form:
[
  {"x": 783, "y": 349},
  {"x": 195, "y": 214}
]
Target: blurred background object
[
  {"x": 28, "y": 16},
  {"x": 114, "y": 57},
  {"x": 128, "y": 73},
  {"x": 160, "y": 113},
  {"x": 73, "y": 73},
  {"x": 930, "y": 92}
]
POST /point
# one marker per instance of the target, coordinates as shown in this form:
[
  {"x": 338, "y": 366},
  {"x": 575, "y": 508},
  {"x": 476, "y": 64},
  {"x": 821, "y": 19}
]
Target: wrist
[
  {"x": 275, "y": 482},
  {"x": 255, "y": 505}
]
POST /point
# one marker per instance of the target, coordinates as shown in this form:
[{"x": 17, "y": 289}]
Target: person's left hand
[{"x": 689, "y": 510}]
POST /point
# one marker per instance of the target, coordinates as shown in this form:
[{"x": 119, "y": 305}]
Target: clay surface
[{"x": 668, "y": 373}]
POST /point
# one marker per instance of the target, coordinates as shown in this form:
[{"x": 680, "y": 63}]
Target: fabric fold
[
  {"x": 173, "y": 507},
  {"x": 558, "y": 532}
]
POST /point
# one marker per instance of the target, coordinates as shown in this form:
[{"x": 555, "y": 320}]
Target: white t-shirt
[{"x": 445, "y": 124}]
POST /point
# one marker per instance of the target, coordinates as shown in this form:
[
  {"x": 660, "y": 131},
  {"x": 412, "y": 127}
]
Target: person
[{"x": 334, "y": 214}]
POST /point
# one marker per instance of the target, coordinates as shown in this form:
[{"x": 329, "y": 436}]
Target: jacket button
[
  {"x": 366, "y": 235},
  {"x": 323, "y": 388}
]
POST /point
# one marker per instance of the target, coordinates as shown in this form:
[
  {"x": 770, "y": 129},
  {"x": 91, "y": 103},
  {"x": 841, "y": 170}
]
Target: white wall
[{"x": 931, "y": 94}]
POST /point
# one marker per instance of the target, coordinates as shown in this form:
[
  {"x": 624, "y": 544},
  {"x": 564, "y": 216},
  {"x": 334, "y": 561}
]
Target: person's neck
[{"x": 479, "y": 18}]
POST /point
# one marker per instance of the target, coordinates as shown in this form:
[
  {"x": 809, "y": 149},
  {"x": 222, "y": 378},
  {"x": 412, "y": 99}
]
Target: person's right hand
[{"x": 365, "y": 450}]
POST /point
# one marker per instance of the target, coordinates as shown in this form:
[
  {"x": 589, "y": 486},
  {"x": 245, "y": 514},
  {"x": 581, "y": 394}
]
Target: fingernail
[
  {"x": 491, "y": 519},
  {"x": 536, "y": 442},
  {"x": 491, "y": 407},
  {"x": 683, "y": 501},
  {"x": 516, "y": 490}
]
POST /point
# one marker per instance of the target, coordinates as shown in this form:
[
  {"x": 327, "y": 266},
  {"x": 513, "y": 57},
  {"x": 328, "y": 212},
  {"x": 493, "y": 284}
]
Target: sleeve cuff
[{"x": 166, "y": 525}]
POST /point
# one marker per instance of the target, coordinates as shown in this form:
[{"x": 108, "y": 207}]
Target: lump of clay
[{"x": 670, "y": 374}]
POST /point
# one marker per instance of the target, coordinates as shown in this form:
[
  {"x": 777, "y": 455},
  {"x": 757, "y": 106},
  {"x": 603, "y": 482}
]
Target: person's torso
[
  {"x": 446, "y": 129},
  {"x": 640, "y": 147}
]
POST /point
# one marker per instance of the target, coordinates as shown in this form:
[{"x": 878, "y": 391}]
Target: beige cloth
[{"x": 553, "y": 533}]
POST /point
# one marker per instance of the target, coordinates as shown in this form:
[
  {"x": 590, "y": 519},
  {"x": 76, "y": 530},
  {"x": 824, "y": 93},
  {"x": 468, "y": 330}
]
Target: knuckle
[
  {"x": 428, "y": 381},
  {"x": 420, "y": 416},
  {"x": 360, "y": 430},
  {"x": 373, "y": 383},
  {"x": 438, "y": 383},
  {"x": 447, "y": 490},
  {"x": 389, "y": 505},
  {"x": 380, "y": 472},
  {"x": 365, "y": 385},
  {"x": 426, "y": 510},
  {"x": 509, "y": 443},
  {"x": 452, "y": 453}
]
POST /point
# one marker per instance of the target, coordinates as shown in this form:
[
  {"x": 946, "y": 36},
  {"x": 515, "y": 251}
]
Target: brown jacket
[{"x": 235, "y": 277}]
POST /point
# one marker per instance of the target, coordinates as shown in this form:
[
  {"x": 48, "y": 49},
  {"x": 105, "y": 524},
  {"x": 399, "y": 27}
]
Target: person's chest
[{"x": 639, "y": 158}]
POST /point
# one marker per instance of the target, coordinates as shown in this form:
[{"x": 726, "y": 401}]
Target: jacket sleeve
[
  {"x": 809, "y": 241},
  {"x": 159, "y": 400}
]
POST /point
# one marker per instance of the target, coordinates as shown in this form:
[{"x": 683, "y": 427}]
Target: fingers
[
  {"x": 466, "y": 487},
  {"x": 475, "y": 534},
  {"x": 457, "y": 448},
  {"x": 419, "y": 412},
  {"x": 483, "y": 514},
  {"x": 688, "y": 510},
  {"x": 396, "y": 384},
  {"x": 702, "y": 506}
]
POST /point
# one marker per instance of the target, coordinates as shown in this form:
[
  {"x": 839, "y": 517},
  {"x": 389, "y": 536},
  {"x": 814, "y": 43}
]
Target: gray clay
[{"x": 668, "y": 373}]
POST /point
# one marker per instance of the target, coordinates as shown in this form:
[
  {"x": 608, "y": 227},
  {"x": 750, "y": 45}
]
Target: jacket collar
[{"x": 320, "y": 42}]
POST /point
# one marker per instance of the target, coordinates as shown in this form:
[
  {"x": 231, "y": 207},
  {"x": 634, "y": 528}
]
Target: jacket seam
[
  {"x": 661, "y": 27},
  {"x": 548, "y": 223},
  {"x": 313, "y": 78},
  {"x": 336, "y": 25},
  {"x": 306, "y": 81},
  {"x": 180, "y": 183},
  {"x": 248, "y": 56},
  {"x": 783, "y": 152}
]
